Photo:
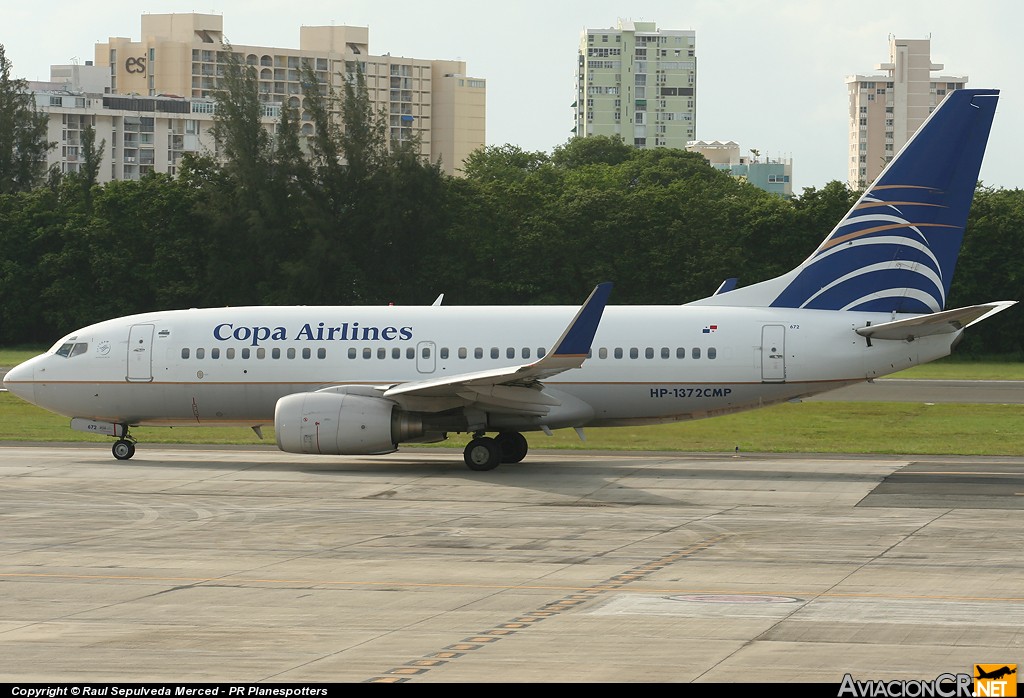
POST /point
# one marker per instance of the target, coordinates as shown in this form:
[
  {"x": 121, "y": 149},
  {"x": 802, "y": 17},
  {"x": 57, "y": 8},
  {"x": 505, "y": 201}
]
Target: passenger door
[{"x": 140, "y": 354}]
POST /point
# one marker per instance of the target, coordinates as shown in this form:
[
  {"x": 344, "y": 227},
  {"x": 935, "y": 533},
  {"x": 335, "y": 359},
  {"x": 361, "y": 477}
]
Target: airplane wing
[
  {"x": 518, "y": 387},
  {"x": 936, "y": 323}
]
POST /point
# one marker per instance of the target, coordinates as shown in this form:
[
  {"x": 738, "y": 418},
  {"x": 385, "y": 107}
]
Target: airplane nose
[{"x": 20, "y": 381}]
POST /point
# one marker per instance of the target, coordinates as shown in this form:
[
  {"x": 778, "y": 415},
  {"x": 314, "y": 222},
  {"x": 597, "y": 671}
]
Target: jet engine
[{"x": 342, "y": 424}]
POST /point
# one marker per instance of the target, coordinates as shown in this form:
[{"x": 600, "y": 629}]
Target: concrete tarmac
[
  {"x": 251, "y": 565},
  {"x": 934, "y": 391}
]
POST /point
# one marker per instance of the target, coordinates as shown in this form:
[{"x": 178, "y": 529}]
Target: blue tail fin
[{"x": 896, "y": 249}]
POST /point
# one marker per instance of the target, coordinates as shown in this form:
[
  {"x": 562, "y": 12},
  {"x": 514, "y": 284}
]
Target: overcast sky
[{"x": 770, "y": 75}]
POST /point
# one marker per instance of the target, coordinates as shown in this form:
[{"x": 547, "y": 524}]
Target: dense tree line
[{"x": 280, "y": 220}]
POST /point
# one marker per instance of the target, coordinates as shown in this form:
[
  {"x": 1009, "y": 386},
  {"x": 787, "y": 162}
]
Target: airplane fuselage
[{"x": 648, "y": 364}]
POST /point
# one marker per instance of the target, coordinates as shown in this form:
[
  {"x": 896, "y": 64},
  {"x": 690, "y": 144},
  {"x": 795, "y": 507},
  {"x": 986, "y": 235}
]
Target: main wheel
[
  {"x": 123, "y": 450},
  {"x": 513, "y": 446},
  {"x": 482, "y": 453}
]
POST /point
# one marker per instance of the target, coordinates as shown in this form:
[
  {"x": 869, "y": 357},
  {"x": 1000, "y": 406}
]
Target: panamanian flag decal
[{"x": 710, "y": 328}]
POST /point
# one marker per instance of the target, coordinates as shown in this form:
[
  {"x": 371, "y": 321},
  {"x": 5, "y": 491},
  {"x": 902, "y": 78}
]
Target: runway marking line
[{"x": 401, "y": 674}]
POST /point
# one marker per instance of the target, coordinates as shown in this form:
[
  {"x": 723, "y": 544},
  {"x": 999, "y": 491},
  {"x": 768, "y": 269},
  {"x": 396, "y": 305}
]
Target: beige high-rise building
[
  {"x": 166, "y": 82},
  {"x": 638, "y": 82},
  {"x": 886, "y": 110}
]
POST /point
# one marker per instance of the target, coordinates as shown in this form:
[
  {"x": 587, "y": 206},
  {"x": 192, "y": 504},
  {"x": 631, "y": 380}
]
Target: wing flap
[
  {"x": 944, "y": 322},
  {"x": 525, "y": 400}
]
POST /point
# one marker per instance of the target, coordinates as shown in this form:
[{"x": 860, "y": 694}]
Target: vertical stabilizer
[{"x": 896, "y": 249}]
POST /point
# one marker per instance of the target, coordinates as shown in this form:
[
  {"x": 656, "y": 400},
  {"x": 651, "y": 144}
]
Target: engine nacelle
[{"x": 341, "y": 424}]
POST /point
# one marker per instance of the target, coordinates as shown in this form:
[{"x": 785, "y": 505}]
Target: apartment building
[
  {"x": 163, "y": 86},
  {"x": 886, "y": 109},
  {"x": 637, "y": 82},
  {"x": 774, "y": 175}
]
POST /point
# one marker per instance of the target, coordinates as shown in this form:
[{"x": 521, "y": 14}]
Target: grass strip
[{"x": 808, "y": 427}]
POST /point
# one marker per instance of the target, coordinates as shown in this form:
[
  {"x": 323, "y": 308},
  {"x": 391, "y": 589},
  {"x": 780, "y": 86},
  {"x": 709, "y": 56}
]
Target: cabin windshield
[{"x": 71, "y": 349}]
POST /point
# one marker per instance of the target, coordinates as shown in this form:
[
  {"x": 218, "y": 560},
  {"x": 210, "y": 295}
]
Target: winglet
[
  {"x": 727, "y": 285},
  {"x": 570, "y": 352},
  {"x": 579, "y": 335}
]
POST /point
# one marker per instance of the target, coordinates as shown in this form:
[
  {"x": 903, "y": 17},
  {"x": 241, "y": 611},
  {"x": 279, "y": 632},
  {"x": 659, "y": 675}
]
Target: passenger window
[
  {"x": 410, "y": 353},
  {"x": 541, "y": 351},
  {"x": 367, "y": 353},
  {"x": 478, "y": 353},
  {"x": 510, "y": 353},
  {"x": 352, "y": 352},
  {"x": 680, "y": 352},
  {"x": 396, "y": 353},
  {"x": 526, "y": 352},
  {"x": 695, "y": 353},
  {"x": 321, "y": 353},
  {"x": 215, "y": 353},
  {"x": 382, "y": 353},
  {"x": 261, "y": 353},
  {"x": 245, "y": 353},
  {"x": 444, "y": 352},
  {"x": 229, "y": 353},
  {"x": 665, "y": 353},
  {"x": 602, "y": 353},
  {"x": 494, "y": 352},
  {"x": 291, "y": 352},
  {"x": 618, "y": 352},
  {"x": 649, "y": 353},
  {"x": 275, "y": 353},
  {"x": 200, "y": 353},
  {"x": 306, "y": 353},
  {"x": 712, "y": 353},
  {"x": 462, "y": 352},
  {"x": 184, "y": 352},
  {"x": 425, "y": 353},
  {"x": 634, "y": 352}
]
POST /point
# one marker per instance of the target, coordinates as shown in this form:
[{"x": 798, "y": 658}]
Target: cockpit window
[{"x": 70, "y": 349}]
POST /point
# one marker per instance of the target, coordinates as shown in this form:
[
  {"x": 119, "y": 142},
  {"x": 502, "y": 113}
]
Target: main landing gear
[
  {"x": 124, "y": 447},
  {"x": 485, "y": 453}
]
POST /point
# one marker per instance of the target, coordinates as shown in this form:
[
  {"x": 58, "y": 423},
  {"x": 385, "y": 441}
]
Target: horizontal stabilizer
[{"x": 944, "y": 322}]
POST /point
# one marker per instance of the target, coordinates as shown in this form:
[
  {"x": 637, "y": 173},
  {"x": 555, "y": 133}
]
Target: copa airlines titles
[{"x": 320, "y": 332}]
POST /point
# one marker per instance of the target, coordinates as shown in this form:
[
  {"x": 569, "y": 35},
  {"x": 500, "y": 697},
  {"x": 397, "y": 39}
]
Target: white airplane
[{"x": 362, "y": 380}]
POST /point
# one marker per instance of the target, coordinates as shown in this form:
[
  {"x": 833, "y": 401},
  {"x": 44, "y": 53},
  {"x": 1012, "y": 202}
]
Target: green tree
[
  {"x": 502, "y": 162},
  {"x": 30, "y": 225},
  {"x": 92, "y": 158},
  {"x": 244, "y": 205},
  {"x": 591, "y": 150},
  {"x": 991, "y": 268},
  {"x": 364, "y": 133},
  {"x": 23, "y": 144}
]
